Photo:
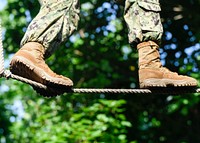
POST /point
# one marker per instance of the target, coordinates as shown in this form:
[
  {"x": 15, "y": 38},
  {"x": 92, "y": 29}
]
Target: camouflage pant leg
[
  {"x": 143, "y": 20},
  {"x": 55, "y": 22}
]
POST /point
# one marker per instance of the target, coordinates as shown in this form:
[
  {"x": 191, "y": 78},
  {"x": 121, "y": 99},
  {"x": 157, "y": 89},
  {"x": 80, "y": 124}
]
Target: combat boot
[
  {"x": 29, "y": 63},
  {"x": 153, "y": 74}
]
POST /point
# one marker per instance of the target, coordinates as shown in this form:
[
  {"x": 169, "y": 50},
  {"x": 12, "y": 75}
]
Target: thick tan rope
[
  {"x": 165, "y": 90},
  {"x": 7, "y": 74},
  {"x": 175, "y": 90},
  {"x": 1, "y": 52}
]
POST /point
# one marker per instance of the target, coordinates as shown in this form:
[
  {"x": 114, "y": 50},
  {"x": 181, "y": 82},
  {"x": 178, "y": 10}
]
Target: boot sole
[
  {"x": 25, "y": 68},
  {"x": 166, "y": 83}
]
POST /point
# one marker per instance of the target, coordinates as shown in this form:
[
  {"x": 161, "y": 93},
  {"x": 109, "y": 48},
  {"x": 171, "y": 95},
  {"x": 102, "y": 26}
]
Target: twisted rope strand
[
  {"x": 8, "y": 75},
  {"x": 113, "y": 91},
  {"x": 135, "y": 91},
  {"x": 1, "y": 53},
  {"x": 175, "y": 90}
]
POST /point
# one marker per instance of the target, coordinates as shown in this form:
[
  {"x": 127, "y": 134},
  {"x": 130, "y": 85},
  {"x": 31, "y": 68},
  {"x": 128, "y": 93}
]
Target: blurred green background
[{"x": 98, "y": 55}]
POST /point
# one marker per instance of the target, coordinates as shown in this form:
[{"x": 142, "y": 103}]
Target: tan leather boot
[
  {"x": 153, "y": 74},
  {"x": 29, "y": 62}
]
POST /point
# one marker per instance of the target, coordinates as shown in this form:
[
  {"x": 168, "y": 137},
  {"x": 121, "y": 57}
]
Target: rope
[
  {"x": 172, "y": 90},
  {"x": 169, "y": 90},
  {"x": 1, "y": 52},
  {"x": 8, "y": 75},
  {"x": 165, "y": 90},
  {"x": 175, "y": 90},
  {"x": 113, "y": 91}
]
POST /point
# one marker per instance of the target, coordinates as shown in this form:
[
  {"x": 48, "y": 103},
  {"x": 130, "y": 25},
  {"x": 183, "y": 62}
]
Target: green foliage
[
  {"x": 50, "y": 122},
  {"x": 97, "y": 56}
]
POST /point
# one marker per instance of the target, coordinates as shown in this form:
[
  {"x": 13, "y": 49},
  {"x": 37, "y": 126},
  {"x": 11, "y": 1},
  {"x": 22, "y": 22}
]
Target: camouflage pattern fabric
[
  {"x": 143, "y": 20},
  {"x": 57, "y": 20}
]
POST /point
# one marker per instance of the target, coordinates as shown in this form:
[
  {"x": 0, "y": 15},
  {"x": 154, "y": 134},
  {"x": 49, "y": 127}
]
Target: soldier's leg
[
  {"x": 143, "y": 20},
  {"x": 56, "y": 20},
  {"x": 145, "y": 31}
]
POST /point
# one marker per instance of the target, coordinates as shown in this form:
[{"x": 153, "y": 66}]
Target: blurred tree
[{"x": 98, "y": 55}]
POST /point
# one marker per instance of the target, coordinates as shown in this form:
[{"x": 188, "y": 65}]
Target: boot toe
[
  {"x": 164, "y": 78},
  {"x": 26, "y": 68}
]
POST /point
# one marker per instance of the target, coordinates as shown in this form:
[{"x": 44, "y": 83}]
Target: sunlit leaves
[{"x": 98, "y": 55}]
